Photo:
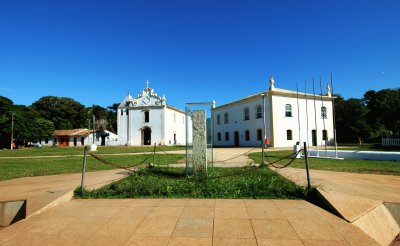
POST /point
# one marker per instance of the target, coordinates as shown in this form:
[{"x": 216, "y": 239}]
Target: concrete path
[
  {"x": 42, "y": 191},
  {"x": 184, "y": 222}
]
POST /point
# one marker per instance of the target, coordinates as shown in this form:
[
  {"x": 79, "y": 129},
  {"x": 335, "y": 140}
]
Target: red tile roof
[{"x": 73, "y": 132}]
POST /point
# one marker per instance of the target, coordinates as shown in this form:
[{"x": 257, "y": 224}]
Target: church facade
[
  {"x": 148, "y": 120},
  {"x": 277, "y": 117}
]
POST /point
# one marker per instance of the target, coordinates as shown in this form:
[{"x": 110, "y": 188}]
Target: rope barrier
[
  {"x": 119, "y": 166},
  {"x": 236, "y": 156}
]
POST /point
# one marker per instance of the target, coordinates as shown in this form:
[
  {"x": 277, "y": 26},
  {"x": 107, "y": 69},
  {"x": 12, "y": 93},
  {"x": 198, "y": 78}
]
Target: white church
[
  {"x": 148, "y": 120},
  {"x": 277, "y": 117}
]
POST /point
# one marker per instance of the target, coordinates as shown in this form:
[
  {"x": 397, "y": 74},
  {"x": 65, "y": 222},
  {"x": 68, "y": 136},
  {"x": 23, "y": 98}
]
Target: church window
[
  {"x": 323, "y": 112},
  {"x": 127, "y": 111},
  {"x": 288, "y": 110},
  {"x": 226, "y": 118},
  {"x": 258, "y": 112},
  {"x": 219, "y": 136},
  {"x": 146, "y": 116},
  {"x": 226, "y": 136},
  {"x": 122, "y": 112},
  {"x": 127, "y": 104},
  {"x": 218, "y": 119},
  {"x": 324, "y": 135},
  {"x": 246, "y": 113},
  {"x": 289, "y": 135},
  {"x": 247, "y": 135},
  {"x": 259, "y": 135}
]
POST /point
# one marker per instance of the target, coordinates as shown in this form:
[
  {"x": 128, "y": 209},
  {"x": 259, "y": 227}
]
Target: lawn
[
  {"x": 247, "y": 182},
  {"x": 56, "y": 151},
  {"x": 347, "y": 165},
  {"x": 26, "y": 167}
]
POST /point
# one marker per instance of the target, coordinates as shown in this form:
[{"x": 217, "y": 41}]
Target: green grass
[
  {"x": 27, "y": 167},
  {"x": 55, "y": 151},
  {"x": 347, "y": 165},
  {"x": 248, "y": 182}
]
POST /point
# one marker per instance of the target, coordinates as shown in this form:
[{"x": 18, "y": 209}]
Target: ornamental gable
[{"x": 146, "y": 98}]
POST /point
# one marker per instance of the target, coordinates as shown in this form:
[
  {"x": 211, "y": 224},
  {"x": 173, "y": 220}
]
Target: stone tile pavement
[{"x": 184, "y": 222}]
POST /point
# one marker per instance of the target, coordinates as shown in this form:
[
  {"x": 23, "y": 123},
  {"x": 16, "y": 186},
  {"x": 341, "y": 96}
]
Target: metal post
[
  {"x": 12, "y": 131},
  {"x": 83, "y": 169},
  {"x": 262, "y": 160},
  {"x": 154, "y": 153},
  {"x": 307, "y": 168},
  {"x": 93, "y": 127}
]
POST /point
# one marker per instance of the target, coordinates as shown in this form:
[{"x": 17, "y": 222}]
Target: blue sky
[{"x": 97, "y": 51}]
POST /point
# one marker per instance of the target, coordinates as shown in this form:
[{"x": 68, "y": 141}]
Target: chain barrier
[
  {"x": 236, "y": 156},
  {"x": 117, "y": 165}
]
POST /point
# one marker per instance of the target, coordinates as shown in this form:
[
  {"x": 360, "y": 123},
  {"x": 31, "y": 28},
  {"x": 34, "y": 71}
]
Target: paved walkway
[
  {"x": 43, "y": 190},
  {"x": 184, "y": 222},
  {"x": 353, "y": 194}
]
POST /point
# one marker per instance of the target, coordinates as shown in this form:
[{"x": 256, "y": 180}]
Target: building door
[
  {"x": 75, "y": 140},
  {"x": 146, "y": 136},
  {"x": 82, "y": 141},
  {"x": 314, "y": 137},
  {"x": 236, "y": 137},
  {"x": 103, "y": 140},
  {"x": 174, "y": 138}
]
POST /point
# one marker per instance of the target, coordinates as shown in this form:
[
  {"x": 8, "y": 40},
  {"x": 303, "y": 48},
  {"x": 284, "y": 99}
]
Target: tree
[
  {"x": 112, "y": 116},
  {"x": 65, "y": 113},
  {"x": 351, "y": 120},
  {"x": 383, "y": 112},
  {"x": 6, "y": 106}
]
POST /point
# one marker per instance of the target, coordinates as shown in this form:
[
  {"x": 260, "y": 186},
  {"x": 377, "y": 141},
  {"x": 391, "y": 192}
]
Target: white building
[
  {"x": 148, "y": 120},
  {"x": 277, "y": 115}
]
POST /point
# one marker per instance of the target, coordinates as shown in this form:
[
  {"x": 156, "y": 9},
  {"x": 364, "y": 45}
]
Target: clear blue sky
[{"x": 194, "y": 50}]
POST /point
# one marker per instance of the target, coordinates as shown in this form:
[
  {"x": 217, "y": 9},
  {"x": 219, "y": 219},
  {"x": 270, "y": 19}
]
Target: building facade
[
  {"x": 277, "y": 117},
  {"x": 148, "y": 120}
]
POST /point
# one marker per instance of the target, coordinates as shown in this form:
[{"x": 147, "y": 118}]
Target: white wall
[
  {"x": 174, "y": 124},
  {"x": 237, "y": 122},
  {"x": 281, "y": 123}
]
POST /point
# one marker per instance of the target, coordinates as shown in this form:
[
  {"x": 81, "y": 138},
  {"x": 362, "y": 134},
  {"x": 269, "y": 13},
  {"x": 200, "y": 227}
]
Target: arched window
[
  {"x": 218, "y": 119},
  {"x": 246, "y": 114},
  {"x": 324, "y": 113},
  {"x": 226, "y": 118},
  {"x": 258, "y": 112},
  {"x": 247, "y": 135},
  {"x": 324, "y": 135},
  {"x": 289, "y": 135},
  {"x": 288, "y": 110}
]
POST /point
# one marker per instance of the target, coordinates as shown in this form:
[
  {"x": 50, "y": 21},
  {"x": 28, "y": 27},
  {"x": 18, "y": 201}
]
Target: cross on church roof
[{"x": 147, "y": 83}]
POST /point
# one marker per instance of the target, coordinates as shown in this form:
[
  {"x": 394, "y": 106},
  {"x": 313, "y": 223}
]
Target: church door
[
  {"x": 146, "y": 136},
  {"x": 236, "y": 139},
  {"x": 314, "y": 137}
]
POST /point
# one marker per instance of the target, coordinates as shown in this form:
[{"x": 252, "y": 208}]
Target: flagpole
[
  {"x": 334, "y": 117},
  {"x": 305, "y": 94},
  {"x": 315, "y": 117},
  {"x": 298, "y": 113}
]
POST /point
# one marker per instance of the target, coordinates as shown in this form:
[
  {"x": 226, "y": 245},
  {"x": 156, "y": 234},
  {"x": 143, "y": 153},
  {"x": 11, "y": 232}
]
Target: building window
[
  {"x": 247, "y": 135},
  {"x": 219, "y": 136},
  {"x": 258, "y": 112},
  {"x": 127, "y": 111},
  {"x": 122, "y": 112},
  {"x": 226, "y": 136},
  {"x": 246, "y": 114},
  {"x": 146, "y": 116},
  {"x": 46, "y": 140},
  {"x": 288, "y": 110},
  {"x": 289, "y": 135},
  {"x": 259, "y": 135},
  {"x": 226, "y": 118},
  {"x": 218, "y": 119},
  {"x": 323, "y": 112},
  {"x": 324, "y": 135}
]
